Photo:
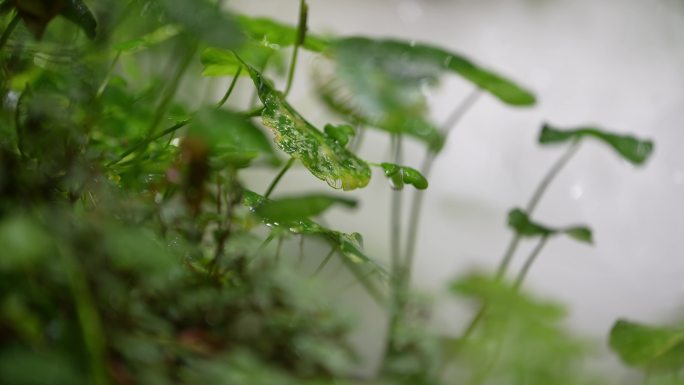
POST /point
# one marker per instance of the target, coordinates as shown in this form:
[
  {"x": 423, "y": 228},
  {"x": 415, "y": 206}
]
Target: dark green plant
[{"x": 133, "y": 253}]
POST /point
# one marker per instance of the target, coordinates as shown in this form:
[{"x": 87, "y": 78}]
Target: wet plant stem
[
  {"x": 278, "y": 177},
  {"x": 8, "y": 30},
  {"x": 529, "y": 262},
  {"x": 325, "y": 261}
]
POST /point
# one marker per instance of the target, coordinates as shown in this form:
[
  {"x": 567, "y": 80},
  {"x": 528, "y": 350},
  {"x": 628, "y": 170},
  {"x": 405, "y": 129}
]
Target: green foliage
[
  {"x": 132, "y": 252},
  {"x": 648, "y": 347},
  {"x": 633, "y": 150},
  {"x": 520, "y": 222}
]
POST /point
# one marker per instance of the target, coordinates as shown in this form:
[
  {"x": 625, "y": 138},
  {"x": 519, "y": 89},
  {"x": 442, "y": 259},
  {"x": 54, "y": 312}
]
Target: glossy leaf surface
[
  {"x": 323, "y": 156},
  {"x": 648, "y": 346},
  {"x": 630, "y": 148}
]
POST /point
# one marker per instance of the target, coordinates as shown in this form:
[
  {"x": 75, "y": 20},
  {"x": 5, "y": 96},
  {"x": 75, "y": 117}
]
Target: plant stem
[
  {"x": 278, "y": 177},
  {"x": 108, "y": 76},
  {"x": 8, "y": 30},
  {"x": 325, "y": 261},
  {"x": 528, "y": 263},
  {"x": 230, "y": 88},
  {"x": 426, "y": 168},
  {"x": 301, "y": 36},
  {"x": 146, "y": 142},
  {"x": 533, "y": 202}
]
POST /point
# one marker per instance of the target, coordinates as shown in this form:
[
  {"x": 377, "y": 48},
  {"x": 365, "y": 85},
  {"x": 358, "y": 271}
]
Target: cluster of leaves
[{"x": 134, "y": 254}]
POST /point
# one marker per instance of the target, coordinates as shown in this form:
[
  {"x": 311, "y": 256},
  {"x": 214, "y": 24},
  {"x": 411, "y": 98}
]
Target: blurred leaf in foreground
[{"x": 648, "y": 347}]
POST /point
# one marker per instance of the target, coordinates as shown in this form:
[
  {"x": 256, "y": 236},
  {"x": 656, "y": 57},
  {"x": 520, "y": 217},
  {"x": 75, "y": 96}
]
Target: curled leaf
[
  {"x": 340, "y": 133},
  {"x": 632, "y": 149},
  {"x": 400, "y": 175}
]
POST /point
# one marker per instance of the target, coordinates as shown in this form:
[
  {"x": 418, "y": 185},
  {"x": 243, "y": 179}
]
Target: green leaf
[
  {"x": 24, "y": 243},
  {"x": 341, "y": 133},
  {"x": 520, "y": 222},
  {"x": 77, "y": 12},
  {"x": 410, "y": 61},
  {"x": 300, "y": 207},
  {"x": 350, "y": 245},
  {"x": 153, "y": 38},
  {"x": 398, "y": 175},
  {"x": 229, "y": 134},
  {"x": 222, "y": 62},
  {"x": 204, "y": 21},
  {"x": 271, "y": 33},
  {"x": 324, "y": 157},
  {"x": 632, "y": 149},
  {"x": 648, "y": 346}
]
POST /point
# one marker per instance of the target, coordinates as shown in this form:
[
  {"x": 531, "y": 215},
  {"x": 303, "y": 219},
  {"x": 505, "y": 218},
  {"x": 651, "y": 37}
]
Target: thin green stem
[
  {"x": 108, "y": 77},
  {"x": 426, "y": 168},
  {"x": 8, "y": 30},
  {"x": 543, "y": 185},
  {"x": 279, "y": 248},
  {"x": 278, "y": 177},
  {"x": 146, "y": 142},
  {"x": 325, "y": 261},
  {"x": 231, "y": 87},
  {"x": 301, "y": 36},
  {"x": 529, "y": 262}
]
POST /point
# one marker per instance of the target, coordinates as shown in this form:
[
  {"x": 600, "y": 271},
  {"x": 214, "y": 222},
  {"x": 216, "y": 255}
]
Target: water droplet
[
  {"x": 576, "y": 191},
  {"x": 175, "y": 142}
]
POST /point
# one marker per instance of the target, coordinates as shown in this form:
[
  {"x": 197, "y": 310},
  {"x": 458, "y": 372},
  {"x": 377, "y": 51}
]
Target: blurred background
[{"x": 616, "y": 64}]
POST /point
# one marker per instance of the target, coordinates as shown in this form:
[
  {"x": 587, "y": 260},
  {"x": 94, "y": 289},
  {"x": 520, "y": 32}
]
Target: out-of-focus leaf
[
  {"x": 24, "y": 243},
  {"x": 26, "y": 367},
  {"x": 410, "y": 61},
  {"x": 341, "y": 133},
  {"x": 223, "y": 62},
  {"x": 153, "y": 38},
  {"x": 137, "y": 250},
  {"x": 632, "y": 149},
  {"x": 300, "y": 207},
  {"x": 399, "y": 175},
  {"x": 203, "y": 20},
  {"x": 228, "y": 134},
  {"x": 277, "y": 35},
  {"x": 323, "y": 156},
  {"x": 520, "y": 222},
  {"x": 77, "y": 12},
  {"x": 648, "y": 347}
]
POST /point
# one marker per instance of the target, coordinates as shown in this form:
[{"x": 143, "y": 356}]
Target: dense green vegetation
[{"x": 132, "y": 253}]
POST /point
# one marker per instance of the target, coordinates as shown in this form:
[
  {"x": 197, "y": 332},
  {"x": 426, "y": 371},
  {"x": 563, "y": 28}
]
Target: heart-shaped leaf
[
  {"x": 632, "y": 149},
  {"x": 323, "y": 156},
  {"x": 648, "y": 347},
  {"x": 521, "y": 223},
  {"x": 400, "y": 175}
]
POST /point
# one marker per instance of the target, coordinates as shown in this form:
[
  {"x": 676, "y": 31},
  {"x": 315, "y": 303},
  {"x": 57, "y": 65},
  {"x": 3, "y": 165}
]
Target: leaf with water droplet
[
  {"x": 278, "y": 35},
  {"x": 399, "y": 175},
  {"x": 300, "y": 207},
  {"x": 323, "y": 156},
  {"x": 630, "y": 148},
  {"x": 648, "y": 347},
  {"x": 521, "y": 223}
]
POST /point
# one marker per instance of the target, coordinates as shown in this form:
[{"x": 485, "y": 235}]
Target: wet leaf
[
  {"x": 230, "y": 134},
  {"x": 300, "y": 207},
  {"x": 204, "y": 21},
  {"x": 648, "y": 346},
  {"x": 324, "y": 157},
  {"x": 400, "y": 175},
  {"x": 520, "y": 222},
  {"x": 632, "y": 149}
]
